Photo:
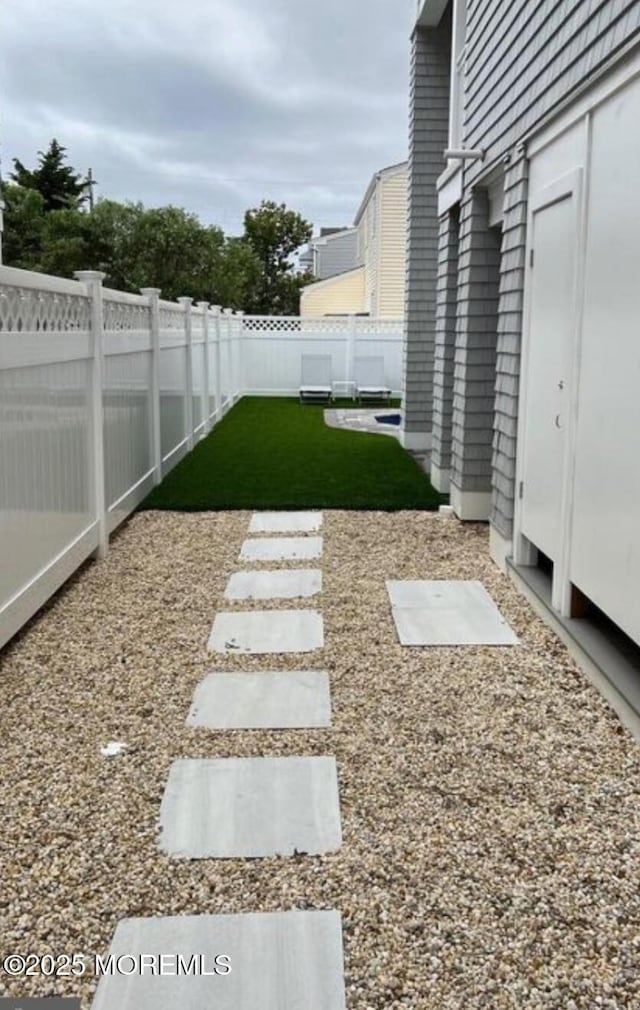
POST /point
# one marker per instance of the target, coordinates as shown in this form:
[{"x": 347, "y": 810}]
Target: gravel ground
[{"x": 489, "y": 797}]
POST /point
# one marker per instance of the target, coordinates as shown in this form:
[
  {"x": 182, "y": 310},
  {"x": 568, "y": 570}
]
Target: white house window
[{"x": 458, "y": 57}]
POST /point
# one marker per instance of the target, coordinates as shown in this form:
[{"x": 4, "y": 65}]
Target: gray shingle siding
[
  {"x": 474, "y": 372},
  {"x": 514, "y": 237},
  {"x": 337, "y": 255},
  {"x": 445, "y": 339},
  {"x": 428, "y": 132},
  {"x": 523, "y": 58}
]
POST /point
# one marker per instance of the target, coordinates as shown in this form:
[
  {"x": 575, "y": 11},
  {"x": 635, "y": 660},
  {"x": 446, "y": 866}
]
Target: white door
[{"x": 549, "y": 340}]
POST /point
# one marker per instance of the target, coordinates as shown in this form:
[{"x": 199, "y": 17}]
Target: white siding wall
[{"x": 392, "y": 245}]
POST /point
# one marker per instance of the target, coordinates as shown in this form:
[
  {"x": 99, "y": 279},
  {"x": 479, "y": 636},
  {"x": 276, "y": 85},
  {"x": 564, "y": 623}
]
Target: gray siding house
[
  {"x": 332, "y": 252},
  {"x": 522, "y": 352}
]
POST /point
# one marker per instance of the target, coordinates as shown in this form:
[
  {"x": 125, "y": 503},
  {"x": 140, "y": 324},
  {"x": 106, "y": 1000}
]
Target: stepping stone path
[
  {"x": 285, "y": 522},
  {"x": 290, "y": 700},
  {"x": 250, "y": 807},
  {"x": 266, "y": 631},
  {"x": 282, "y": 549},
  {"x": 247, "y": 808},
  {"x": 279, "y": 961},
  {"x": 278, "y": 585},
  {"x": 447, "y": 613}
]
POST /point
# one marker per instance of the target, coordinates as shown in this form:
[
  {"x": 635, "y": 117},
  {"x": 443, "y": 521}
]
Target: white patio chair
[
  {"x": 369, "y": 376},
  {"x": 316, "y": 378}
]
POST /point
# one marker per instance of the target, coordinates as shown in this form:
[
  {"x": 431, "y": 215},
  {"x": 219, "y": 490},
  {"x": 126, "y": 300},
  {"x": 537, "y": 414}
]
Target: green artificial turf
[{"x": 270, "y": 453}]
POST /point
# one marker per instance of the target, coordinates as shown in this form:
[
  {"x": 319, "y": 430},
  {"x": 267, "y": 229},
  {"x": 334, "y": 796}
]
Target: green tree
[
  {"x": 274, "y": 233},
  {"x": 236, "y": 276},
  {"x": 58, "y": 183},
  {"x": 67, "y": 243},
  {"x": 23, "y": 226}
]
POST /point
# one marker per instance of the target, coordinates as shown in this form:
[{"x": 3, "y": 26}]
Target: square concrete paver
[
  {"x": 281, "y": 549},
  {"x": 279, "y": 961},
  {"x": 447, "y": 612},
  {"x": 228, "y": 808},
  {"x": 266, "y": 631},
  {"x": 278, "y": 585},
  {"x": 285, "y": 522},
  {"x": 291, "y": 700}
]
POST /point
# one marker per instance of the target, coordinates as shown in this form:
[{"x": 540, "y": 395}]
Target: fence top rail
[
  {"x": 124, "y": 297},
  {"x": 13, "y": 277},
  {"x": 163, "y": 303}
]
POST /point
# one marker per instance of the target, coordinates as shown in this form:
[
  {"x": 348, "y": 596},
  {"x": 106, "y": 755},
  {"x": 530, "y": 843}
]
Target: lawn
[{"x": 275, "y": 453}]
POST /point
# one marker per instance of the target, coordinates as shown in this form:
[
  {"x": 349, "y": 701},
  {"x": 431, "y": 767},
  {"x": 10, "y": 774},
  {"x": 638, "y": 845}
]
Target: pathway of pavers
[
  {"x": 250, "y": 807},
  {"x": 281, "y": 549},
  {"x": 290, "y": 700},
  {"x": 261, "y": 632},
  {"x": 278, "y": 961},
  {"x": 277, "y": 585},
  {"x": 271, "y": 806},
  {"x": 285, "y": 522},
  {"x": 447, "y": 613}
]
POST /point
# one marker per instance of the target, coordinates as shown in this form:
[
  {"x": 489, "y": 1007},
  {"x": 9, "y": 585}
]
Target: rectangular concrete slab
[
  {"x": 285, "y": 522},
  {"x": 281, "y": 549},
  {"x": 248, "y": 808},
  {"x": 279, "y": 961},
  {"x": 261, "y": 632},
  {"x": 277, "y": 585},
  {"x": 447, "y": 612},
  {"x": 292, "y": 700}
]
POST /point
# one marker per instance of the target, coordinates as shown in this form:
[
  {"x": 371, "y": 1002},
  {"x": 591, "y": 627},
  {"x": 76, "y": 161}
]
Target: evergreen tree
[{"x": 61, "y": 187}]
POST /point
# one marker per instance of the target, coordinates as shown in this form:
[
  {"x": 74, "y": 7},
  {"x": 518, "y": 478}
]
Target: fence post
[
  {"x": 153, "y": 294},
  {"x": 217, "y": 388},
  {"x": 206, "y": 410},
  {"x": 186, "y": 303},
  {"x": 228, "y": 362},
  {"x": 351, "y": 349},
  {"x": 240, "y": 355},
  {"x": 92, "y": 279}
]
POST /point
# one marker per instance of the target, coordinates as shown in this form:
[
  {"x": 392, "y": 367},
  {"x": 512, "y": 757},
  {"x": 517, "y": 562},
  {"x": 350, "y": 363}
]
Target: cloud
[{"x": 212, "y": 104}]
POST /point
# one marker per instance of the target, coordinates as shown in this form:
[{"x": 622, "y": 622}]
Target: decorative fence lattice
[
  {"x": 125, "y": 316},
  {"x": 27, "y": 310}
]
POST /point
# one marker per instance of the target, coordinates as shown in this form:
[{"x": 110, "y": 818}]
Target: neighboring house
[
  {"x": 332, "y": 252},
  {"x": 340, "y": 295},
  {"x": 381, "y": 222},
  {"x": 373, "y": 283},
  {"x": 523, "y": 296}
]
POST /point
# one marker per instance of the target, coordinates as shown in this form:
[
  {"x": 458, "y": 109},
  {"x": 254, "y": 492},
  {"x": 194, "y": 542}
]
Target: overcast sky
[{"x": 211, "y": 104}]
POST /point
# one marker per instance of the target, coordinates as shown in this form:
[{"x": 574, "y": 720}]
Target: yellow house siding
[
  {"x": 393, "y": 242},
  {"x": 343, "y": 293}
]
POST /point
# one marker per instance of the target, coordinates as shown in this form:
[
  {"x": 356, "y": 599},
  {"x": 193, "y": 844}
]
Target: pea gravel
[{"x": 489, "y": 797}]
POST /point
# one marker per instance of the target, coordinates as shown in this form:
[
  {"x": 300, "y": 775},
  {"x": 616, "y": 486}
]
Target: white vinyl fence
[
  {"x": 102, "y": 393},
  {"x": 273, "y": 347}
]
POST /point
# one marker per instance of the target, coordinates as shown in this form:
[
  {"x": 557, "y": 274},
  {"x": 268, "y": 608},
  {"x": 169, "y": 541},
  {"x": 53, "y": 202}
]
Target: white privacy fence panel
[
  {"x": 174, "y": 437},
  {"x": 47, "y": 509},
  {"x": 126, "y": 403},
  {"x": 102, "y": 393},
  {"x": 273, "y": 348}
]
